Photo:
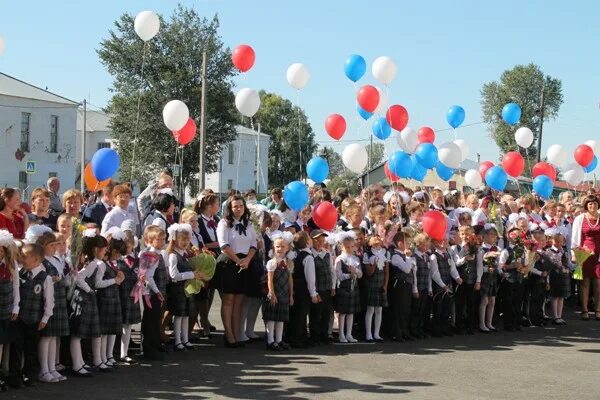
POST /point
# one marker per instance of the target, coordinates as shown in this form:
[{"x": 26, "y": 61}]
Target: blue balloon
[
  {"x": 444, "y": 172},
  {"x": 355, "y": 67},
  {"x": 511, "y": 113},
  {"x": 592, "y": 165},
  {"x": 295, "y": 195},
  {"x": 400, "y": 164},
  {"x": 496, "y": 178},
  {"x": 543, "y": 186},
  {"x": 418, "y": 172},
  {"x": 364, "y": 113},
  {"x": 381, "y": 129},
  {"x": 105, "y": 163},
  {"x": 427, "y": 155},
  {"x": 317, "y": 169},
  {"x": 455, "y": 116}
]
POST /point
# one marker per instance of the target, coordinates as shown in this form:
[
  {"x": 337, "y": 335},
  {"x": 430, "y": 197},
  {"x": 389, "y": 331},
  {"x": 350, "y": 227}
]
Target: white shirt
[
  {"x": 351, "y": 262},
  {"x": 309, "y": 272},
  {"x": 48, "y": 293},
  {"x": 230, "y": 237},
  {"x": 177, "y": 276},
  {"x": 211, "y": 233},
  {"x": 407, "y": 266},
  {"x": 485, "y": 248},
  {"x": 479, "y": 218},
  {"x": 435, "y": 270},
  {"x": 100, "y": 282},
  {"x": 116, "y": 217},
  {"x": 87, "y": 271},
  {"x": 151, "y": 287},
  {"x": 158, "y": 221}
]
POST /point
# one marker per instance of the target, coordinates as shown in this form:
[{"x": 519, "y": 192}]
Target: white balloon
[
  {"x": 297, "y": 75},
  {"x": 473, "y": 178},
  {"x": 464, "y": 148},
  {"x": 594, "y": 144},
  {"x": 408, "y": 139},
  {"x": 383, "y": 102},
  {"x": 556, "y": 155},
  {"x": 176, "y": 115},
  {"x": 146, "y": 25},
  {"x": 247, "y": 101},
  {"x": 355, "y": 157},
  {"x": 573, "y": 174},
  {"x": 1, "y": 45},
  {"x": 450, "y": 155},
  {"x": 524, "y": 137},
  {"x": 384, "y": 69}
]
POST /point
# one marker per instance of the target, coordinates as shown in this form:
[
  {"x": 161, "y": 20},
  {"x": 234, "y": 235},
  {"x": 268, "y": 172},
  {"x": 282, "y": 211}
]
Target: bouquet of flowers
[
  {"x": 495, "y": 217},
  {"x": 204, "y": 263},
  {"x": 581, "y": 255},
  {"x": 147, "y": 259}
]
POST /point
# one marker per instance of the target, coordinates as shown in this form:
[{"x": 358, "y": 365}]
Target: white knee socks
[
  {"x": 76, "y": 356},
  {"x": 110, "y": 349},
  {"x": 177, "y": 324},
  {"x": 43, "y": 347},
  {"x": 125, "y": 338},
  {"x": 341, "y": 327},
  {"x": 278, "y": 331},
  {"x": 349, "y": 324},
  {"x": 185, "y": 329},
  {"x": 368, "y": 322},
  {"x": 378, "y": 313},
  {"x": 270, "y": 331},
  {"x": 103, "y": 343},
  {"x": 97, "y": 351}
]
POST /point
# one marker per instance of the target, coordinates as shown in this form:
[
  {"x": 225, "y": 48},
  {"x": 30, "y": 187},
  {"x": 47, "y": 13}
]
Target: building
[
  {"x": 38, "y": 130},
  {"x": 97, "y": 136}
]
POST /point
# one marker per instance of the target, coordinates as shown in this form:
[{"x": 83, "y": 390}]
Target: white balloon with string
[
  {"x": 524, "y": 137},
  {"x": 473, "y": 178},
  {"x": 247, "y": 101},
  {"x": 573, "y": 174},
  {"x": 146, "y": 25},
  {"x": 384, "y": 69},
  {"x": 298, "y": 75},
  {"x": 408, "y": 139},
  {"x": 595, "y": 145},
  {"x": 383, "y": 102},
  {"x": 175, "y": 115},
  {"x": 464, "y": 148},
  {"x": 355, "y": 157},
  {"x": 450, "y": 155},
  {"x": 556, "y": 155}
]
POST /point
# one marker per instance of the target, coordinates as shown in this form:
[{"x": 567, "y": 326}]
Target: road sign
[{"x": 30, "y": 167}]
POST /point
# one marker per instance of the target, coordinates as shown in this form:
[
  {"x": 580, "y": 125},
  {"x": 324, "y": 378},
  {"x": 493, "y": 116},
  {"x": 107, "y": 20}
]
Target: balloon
[
  {"x": 464, "y": 148},
  {"x": 335, "y": 125},
  {"x": 317, "y": 169},
  {"x": 355, "y": 67},
  {"x": 556, "y": 155},
  {"x": 381, "y": 129},
  {"x": 543, "y": 168},
  {"x": 524, "y": 137},
  {"x": 543, "y": 186},
  {"x": 397, "y": 117},
  {"x": 383, "y": 102},
  {"x": 384, "y": 69},
  {"x": 400, "y": 164},
  {"x": 594, "y": 144},
  {"x": 297, "y": 75},
  {"x": 186, "y": 134},
  {"x": 368, "y": 98},
  {"x": 325, "y": 215},
  {"x": 105, "y": 163},
  {"x": 427, "y": 155},
  {"x": 146, "y": 25},
  {"x": 511, "y": 113},
  {"x": 483, "y": 168},
  {"x": 418, "y": 172},
  {"x": 247, "y": 101},
  {"x": 408, "y": 139},
  {"x": 444, "y": 172},
  {"x": 295, "y": 195},
  {"x": 473, "y": 178},
  {"x": 592, "y": 165},
  {"x": 435, "y": 224},
  {"x": 573, "y": 174},
  {"x": 450, "y": 154},
  {"x": 355, "y": 157},
  {"x": 496, "y": 178},
  {"x": 584, "y": 155},
  {"x": 1, "y": 45},
  {"x": 455, "y": 116},
  {"x": 364, "y": 114},
  {"x": 389, "y": 174},
  {"x": 426, "y": 135},
  {"x": 513, "y": 163},
  {"x": 90, "y": 180},
  {"x": 243, "y": 57},
  {"x": 175, "y": 115}
]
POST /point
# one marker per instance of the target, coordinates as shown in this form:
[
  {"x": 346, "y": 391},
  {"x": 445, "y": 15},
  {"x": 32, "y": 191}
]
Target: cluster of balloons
[
  {"x": 146, "y": 25},
  {"x": 176, "y": 117},
  {"x": 247, "y": 101}
]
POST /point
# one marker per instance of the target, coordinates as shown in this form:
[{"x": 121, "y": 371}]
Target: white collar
[
  {"x": 37, "y": 270},
  {"x": 180, "y": 252}
]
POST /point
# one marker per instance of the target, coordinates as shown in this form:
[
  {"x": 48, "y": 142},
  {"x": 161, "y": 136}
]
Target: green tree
[
  {"x": 292, "y": 138},
  {"x": 347, "y": 180},
  {"x": 377, "y": 156},
  {"x": 172, "y": 70},
  {"x": 523, "y": 85},
  {"x": 334, "y": 159}
]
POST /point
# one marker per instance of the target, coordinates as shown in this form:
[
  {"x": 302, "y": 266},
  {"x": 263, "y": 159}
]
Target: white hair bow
[
  {"x": 34, "y": 232},
  {"x": 341, "y": 236},
  {"x": 173, "y": 229},
  {"x": 6, "y": 238},
  {"x": 90, "y": 233},
  {"x": 116, "y": 233}
]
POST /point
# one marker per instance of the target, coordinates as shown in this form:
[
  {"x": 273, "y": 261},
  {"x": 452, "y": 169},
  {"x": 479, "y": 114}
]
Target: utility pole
[
  {"x": 83, "y": 129},
  {"x": 201, "y": 169},
  {"x": 541, "y": 124}
]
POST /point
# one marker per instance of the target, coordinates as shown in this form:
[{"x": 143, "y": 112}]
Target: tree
[
  {"x": 523, "y": 85},
  {"x": 347, "y": 180},
  {"x": 172, "y": 70},
  {"x": 292, "y": 138},
  {"x": 334, "y": 159},
  {"x": 378, "y": 154}
]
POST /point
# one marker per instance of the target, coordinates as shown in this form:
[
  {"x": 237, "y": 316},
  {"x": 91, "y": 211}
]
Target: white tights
[
  {"x": 77, "y": 357},
  {"x": 274, "y": 331},
  {"x": 486, "y": 312},
  {"x": 249, "y": 314},
  {"x": 181, "y": 329},
  {"x": 377, "y": 311},
  {"x": 125, "y": 338},
  {"x": 345, "y": 322}
]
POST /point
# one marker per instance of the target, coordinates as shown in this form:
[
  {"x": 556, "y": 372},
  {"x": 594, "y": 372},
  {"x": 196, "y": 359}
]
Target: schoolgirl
[
  {"x": 347, "y": 298},
  {"x": 443, "y": 273},
  {"x": 420, "y": 311},
  {"x": 560, "y": 275},
  {"x": 487, "y": 278},
  {"x": 402, "y": 287},
  {"x": 325, "y": 284},
  {"x": 376, "y": 282},
  {"x": 130, "y": 304},
  {"x": 9, "y": 292},
  {"x": 466, "y": 264}
]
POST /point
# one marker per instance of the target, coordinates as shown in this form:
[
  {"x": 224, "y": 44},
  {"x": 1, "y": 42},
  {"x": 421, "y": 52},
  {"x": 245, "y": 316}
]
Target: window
[
  {"x": 103, "y": 145},
  {"x": 230, "y": 155},
  {"x": 53, "y": 133},
  {"x": 25, "y": 123},
  {"x": 52, "y": 175},
  {"x": 229, "y": 184},
  {"x": 23, "y": 181}
]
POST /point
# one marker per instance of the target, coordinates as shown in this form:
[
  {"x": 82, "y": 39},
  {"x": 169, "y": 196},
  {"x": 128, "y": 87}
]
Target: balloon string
[
  {"x": 137, "y": 119},
  {"x": 299, "y": 134}
]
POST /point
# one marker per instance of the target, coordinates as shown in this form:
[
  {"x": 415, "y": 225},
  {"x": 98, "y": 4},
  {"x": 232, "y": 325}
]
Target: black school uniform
[
  {"x": 179, "y": 304},
  {"x": 302, "y": 299},
  {"x": 84, "y": 320},
  {"x": 321, "y": 312},
  {"x": 489, "y": 277},
  {"x": 401, "y": 288},
  {"x": 279, "y": 312},
  {"x": 537, "y": 289},
  {"x": 347, "y": 295},
  {"x": 208, "y": 232},
  {"x": 442, "y": 302},
  {"x": 130, "y": 310},
  {"x": 420, "y": 313},
  {"x": 373, "y": 284},
  {"x": 157, "y": 283},
  {"x": 560, "y": 275},
  {"x": 512, "y": 292},
  {"x": 58, "y": 324},
  {"x": 109, "y": 302},
  {"x": 9, "y": 286},
  {"x": 465, "y": 299}
]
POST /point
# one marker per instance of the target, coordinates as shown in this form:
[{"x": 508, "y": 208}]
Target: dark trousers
[
  {"x": 297, "y": 326},
  {"x": 512, "y": 300},
  {"x": 465, "y": 307},
  {"x": 24, "y": 351},
  {"x": 442, "y": 304},
  {"x": 401, "y": 301},
  {"x": 151, "y": 327},
  {"x": 420, "y": 313},
  {"x": 319, "y": 317},
  {"x": 537, "y": 287}
]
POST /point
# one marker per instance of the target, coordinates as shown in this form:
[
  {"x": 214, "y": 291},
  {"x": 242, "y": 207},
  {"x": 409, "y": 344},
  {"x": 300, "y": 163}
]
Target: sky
[{"x": 444, "y": 51}]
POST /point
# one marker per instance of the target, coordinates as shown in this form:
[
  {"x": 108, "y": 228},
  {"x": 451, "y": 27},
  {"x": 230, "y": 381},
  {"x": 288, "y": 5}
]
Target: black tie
[
  {"x": 29, "y": 275},
  {"x": 241, "y": 229}
]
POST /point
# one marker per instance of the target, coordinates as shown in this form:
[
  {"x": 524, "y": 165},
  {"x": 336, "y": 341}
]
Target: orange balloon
[{"x": 91, "y": 182}]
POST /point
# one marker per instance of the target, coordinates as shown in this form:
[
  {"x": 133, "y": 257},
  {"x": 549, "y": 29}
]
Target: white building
[
  {"x": 98, "y": 134},
  {"x": 37, "y": 130}
]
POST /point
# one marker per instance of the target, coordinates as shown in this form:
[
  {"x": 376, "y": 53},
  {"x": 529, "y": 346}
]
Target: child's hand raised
[{"x": 119, "y": 278}]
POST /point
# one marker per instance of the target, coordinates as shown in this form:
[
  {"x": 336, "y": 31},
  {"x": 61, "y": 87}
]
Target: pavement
[{"x": 553, "y": 362}]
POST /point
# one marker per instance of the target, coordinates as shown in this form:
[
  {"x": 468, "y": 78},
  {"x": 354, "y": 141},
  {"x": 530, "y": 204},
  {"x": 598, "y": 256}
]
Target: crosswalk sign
[{"x": 30, "y": 167}]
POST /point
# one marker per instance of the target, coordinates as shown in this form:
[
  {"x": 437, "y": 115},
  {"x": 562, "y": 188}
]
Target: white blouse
[
  {"x": 177, "y": 276},
  {"x": 230, "y": 237}
]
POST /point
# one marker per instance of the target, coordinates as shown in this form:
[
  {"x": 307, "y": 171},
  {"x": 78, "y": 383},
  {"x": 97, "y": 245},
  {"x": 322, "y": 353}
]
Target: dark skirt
[
  {"x": 178, "y": 303},
  {"x": 233, "y": 281},
  {"x": 6, "y": 332},
  {"x": 347, "y": 299},
  {"x": 130, "y": 310},
  {"x": 489, "y": 284},
  {"x": 254, "y": 276},
  {"x": 84, "y": 320},
  {"x": 279, "y": 312},
  {"x": 58, "y": 324},
  {"x": 560, "y": 284},
  {"x": 109, "y": 311},
  {"x": 375, "y": 296}
]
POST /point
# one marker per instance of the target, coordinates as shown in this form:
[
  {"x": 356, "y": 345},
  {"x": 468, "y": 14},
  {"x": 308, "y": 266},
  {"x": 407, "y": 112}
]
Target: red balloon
[
  {"x": 584, "y": 155},
  {"x": 397, "y": 117},
  {"x": 543, "y": 168},
  {"x": 335, "y": 125},
  {"x": 435, "y": 224},
  {"x": 389, "y": 174},
  {"x": 243, "y": 57},
  {"x": 186, "y": 134},
  {"x": 426, "y": 135},
  {"x": 513, "y": 163},
  {"x": 368, "y": 98},
  {"x": 483, "y": 168},
  {"x": 325, "y": 215}
]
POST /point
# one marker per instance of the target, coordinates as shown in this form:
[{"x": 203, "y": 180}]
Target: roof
[
  {"x": 95, "y": 121},
  {"x": 14, "y": 87},
  {"x": 242, "y": 130}
]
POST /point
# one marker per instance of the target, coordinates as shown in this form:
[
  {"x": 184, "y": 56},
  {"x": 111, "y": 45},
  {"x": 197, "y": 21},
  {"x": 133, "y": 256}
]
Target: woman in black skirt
[{"x": 237, "y": 240}]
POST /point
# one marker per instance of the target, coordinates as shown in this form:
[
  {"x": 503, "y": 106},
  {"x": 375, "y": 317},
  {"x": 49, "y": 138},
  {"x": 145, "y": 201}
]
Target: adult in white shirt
[{"x": 121, "y": 212}]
